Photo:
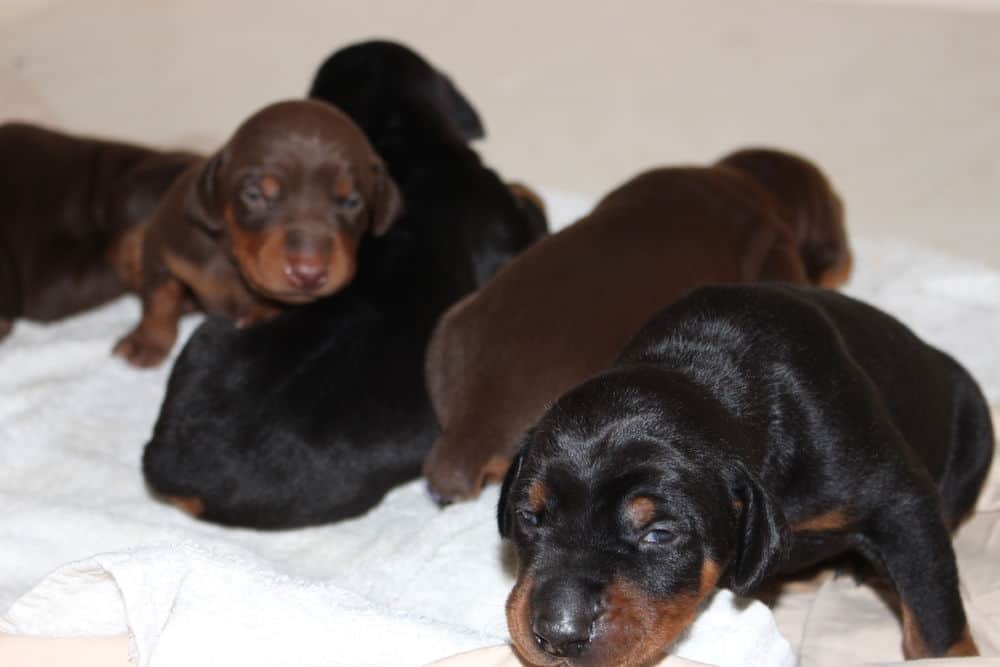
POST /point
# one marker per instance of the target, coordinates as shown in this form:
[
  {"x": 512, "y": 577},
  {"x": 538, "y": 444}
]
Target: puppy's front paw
[
  {"x": 5, "y": 327},
  {"x": 143, "y": 349}
]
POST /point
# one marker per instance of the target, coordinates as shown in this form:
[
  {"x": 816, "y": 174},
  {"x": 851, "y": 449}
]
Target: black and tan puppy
[
  {"x": 275, "y": 217},
  {"x": 69, "y": 204},
  {"x": 314, "y": 415},
  {"x": 744, "y": 432},
  {"x": 564, "y": 309}
]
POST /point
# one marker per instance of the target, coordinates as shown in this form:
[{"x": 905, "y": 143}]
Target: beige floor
[{"x": 899, "y": 100}]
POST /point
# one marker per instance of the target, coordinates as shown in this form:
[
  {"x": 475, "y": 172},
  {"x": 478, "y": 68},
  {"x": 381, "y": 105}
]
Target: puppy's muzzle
[
  {"x": 307, "y": 260},
  {"x": 563, "y": 617}
]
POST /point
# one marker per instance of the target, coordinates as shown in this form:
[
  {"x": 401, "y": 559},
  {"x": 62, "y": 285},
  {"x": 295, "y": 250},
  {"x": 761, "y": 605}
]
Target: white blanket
[{"x": 405, "y": 584}]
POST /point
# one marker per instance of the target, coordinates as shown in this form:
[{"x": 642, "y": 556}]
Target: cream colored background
[{"x": 899, "y": 101}]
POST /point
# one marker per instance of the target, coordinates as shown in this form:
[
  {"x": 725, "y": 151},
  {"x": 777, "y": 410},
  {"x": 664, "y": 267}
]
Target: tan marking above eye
[
  {"x": 641, "y": 510},
  {"x": 269, "y": 186},
  {"x": 538, "y": 495},
  {"x": 343, "y": 188}
]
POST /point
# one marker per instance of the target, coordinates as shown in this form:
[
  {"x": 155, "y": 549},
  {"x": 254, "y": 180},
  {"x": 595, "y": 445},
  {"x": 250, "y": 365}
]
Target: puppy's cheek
[
  {"x": 637, "y": 629},
  {"x": 260, "y": 257},
  {"x": 519, "y": 623},
  {"x": 343, "y": 262}
]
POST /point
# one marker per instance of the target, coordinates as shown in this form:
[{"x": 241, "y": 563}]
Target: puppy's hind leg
[{"x": 910, "y": 541}]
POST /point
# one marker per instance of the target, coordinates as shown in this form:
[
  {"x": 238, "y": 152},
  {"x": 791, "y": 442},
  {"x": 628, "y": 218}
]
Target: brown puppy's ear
[
  {"x": 762, "y": 533},
  {"x": 203, "y": 201},
  {"x": 387, "y": 204}
]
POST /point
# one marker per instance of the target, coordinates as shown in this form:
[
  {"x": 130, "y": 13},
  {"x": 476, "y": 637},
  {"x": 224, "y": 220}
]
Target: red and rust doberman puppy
[
  {"x": 746, "y": 431},
  {"x": 275, "y": 217},
  {"x": 69, "y": 204},
  {"x": 564, "y": 309}
]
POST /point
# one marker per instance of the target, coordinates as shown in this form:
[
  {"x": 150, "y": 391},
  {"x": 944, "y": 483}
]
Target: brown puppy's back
[
  {"x": 565, "y": 308},
  {"x": 67, "y": 202}
]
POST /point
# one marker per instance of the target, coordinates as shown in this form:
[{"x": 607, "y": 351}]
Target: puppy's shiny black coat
[
  {"x": 745, "y": 431},
  {"x": 313, "y": 416}
]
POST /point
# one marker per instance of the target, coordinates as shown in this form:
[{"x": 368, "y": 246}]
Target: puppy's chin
[{"x": 273, "y": 284}]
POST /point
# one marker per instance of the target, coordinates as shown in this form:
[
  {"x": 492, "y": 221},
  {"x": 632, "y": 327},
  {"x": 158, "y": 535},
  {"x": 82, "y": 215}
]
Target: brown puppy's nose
[
  {"x": 308, "y": 272},
  {"x": 307, "y": 259}
]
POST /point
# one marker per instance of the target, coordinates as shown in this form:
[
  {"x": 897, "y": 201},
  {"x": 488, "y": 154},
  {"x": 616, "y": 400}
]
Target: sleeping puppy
[
  {"x": 275, "y": 217},
  {"x": 563, "y": 310},
  {"x": 744, "y": 432},
  {"x": 312, "y": 416},
  {"x": 69, "y": 203}
]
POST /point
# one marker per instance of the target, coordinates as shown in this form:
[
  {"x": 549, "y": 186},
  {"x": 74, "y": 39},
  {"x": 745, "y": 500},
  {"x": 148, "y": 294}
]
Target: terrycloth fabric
[
  {"x": 184, "y": 605},
  {"x": 72, "y": 424}
]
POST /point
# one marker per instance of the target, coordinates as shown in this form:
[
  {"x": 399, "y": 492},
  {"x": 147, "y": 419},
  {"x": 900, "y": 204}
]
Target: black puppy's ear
[
  {"x": 505, "y": 513},
  {"x": 387, "y": 204},
  {"x": 460, "y": 111},
  {"x": 203, "y": 197},
  {"x": 762, "y": 533}
]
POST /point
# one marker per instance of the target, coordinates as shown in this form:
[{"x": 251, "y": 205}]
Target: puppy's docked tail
[{"x": 808, "y": 204}]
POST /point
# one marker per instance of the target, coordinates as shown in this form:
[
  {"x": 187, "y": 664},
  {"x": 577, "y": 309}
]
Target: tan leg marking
[{"x": 914, "y": 646}]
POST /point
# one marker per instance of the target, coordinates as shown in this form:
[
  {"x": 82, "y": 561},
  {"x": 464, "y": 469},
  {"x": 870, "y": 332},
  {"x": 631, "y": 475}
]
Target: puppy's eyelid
[
  {"x": 350, "y": 201},
  {"x": 532, "y": 519}
]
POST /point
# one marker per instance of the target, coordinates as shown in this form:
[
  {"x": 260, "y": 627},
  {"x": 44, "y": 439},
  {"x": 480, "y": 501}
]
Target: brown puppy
[
  {"x": 68, "y": 204},
  {"x": 564, "y": 309},
  {"x": 275, "y": 217}
]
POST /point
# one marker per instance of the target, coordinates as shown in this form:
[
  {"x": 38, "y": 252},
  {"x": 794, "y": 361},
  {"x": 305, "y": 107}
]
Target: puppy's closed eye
[
  {"x": 659, "y": 537},
  {"x": 252, "y": 197},
  {"x": 351, "y": 202},
  {"x": 528, "y": 518}
]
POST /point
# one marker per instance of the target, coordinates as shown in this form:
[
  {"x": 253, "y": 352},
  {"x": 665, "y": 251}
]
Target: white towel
[{"x": 186, "y": 605}]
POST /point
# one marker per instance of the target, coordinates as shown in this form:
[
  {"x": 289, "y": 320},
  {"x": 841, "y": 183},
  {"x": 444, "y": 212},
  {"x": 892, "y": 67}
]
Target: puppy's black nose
[{"x": 564, "y": 636}]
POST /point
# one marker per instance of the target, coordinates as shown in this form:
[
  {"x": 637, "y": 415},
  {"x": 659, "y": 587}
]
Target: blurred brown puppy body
[
  {"x": 274, "y": 218},
  {"x": 68, "y": 205},
  {"x": 564, "y": 309}
]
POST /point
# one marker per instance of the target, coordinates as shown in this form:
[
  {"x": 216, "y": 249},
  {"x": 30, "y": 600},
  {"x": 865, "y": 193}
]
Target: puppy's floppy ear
[
  {"x": 762, "y": 532},
  {"x": 387, "y": 202},
  {"x": 505, "y": 513},
  {"x": 460, "y": 111},
  {"x": 203, "y": 196}
]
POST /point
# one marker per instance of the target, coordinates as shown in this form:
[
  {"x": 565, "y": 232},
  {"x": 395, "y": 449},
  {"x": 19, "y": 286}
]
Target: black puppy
[
  {"x": 745, "y": 431},
  {"x": 313, "y": 416}
]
